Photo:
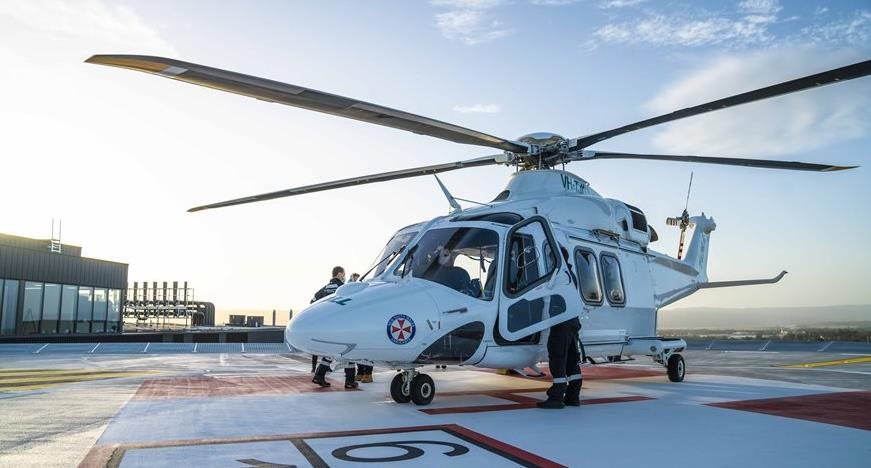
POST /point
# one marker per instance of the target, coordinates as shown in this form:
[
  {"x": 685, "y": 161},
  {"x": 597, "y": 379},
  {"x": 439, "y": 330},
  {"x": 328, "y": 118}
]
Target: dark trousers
[
  {"x": 363, "y": 369},
  {"x": 564, "y": 359},
  {"x": 314, "y": 362},
  {"x": 324, "y": 367}
]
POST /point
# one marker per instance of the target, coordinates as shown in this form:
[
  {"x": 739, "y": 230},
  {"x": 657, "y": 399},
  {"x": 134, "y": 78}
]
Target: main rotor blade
[
  {"x": 298, "y": 96},
  {"x": 368, "y": 179},
  {"x": 857, "y": 70},
  {"x": 762, "y": 163}
]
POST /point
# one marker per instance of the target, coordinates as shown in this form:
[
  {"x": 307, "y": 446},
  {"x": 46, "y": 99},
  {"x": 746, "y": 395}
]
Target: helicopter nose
[
  {"x": 320, "y": 330},
  {"x": 305, "y": 331}
]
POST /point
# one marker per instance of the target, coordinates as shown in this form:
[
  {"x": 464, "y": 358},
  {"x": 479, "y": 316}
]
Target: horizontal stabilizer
[{"x": 729, "y": 284}]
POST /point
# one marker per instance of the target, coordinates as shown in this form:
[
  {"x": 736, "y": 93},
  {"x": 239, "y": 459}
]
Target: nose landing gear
[{"x": 410, "y": 385}]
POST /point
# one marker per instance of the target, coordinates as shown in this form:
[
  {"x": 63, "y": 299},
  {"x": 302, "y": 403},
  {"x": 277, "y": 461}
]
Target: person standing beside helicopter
[
  {"x": 336, "y": 281},
  {"x": 564, "y": 360}
]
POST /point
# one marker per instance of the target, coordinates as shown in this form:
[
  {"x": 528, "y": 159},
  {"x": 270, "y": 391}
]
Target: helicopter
[{"x": 482, "y": 286}]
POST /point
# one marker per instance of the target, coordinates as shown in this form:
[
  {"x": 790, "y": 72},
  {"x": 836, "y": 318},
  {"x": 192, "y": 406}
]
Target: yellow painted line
[
  {"x": 7, "y": 375},
  {"x": 66, "y": 378},
  {"x": 836, "y": 362},
  {"x": 30, "y": 381}
]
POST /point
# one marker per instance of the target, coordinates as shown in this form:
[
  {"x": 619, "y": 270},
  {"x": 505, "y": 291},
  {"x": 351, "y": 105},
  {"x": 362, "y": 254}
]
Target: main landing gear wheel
[
  {"x": 400, "y": 392},
  {"x": 422, "y": 389},
  {"x": 676, "y": 368}
]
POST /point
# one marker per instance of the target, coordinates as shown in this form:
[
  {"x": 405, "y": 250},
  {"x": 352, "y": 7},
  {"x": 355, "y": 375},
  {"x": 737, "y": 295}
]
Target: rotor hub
[
  {"x": 544, "y": 149},
  {"x": 542, "y": 139}
]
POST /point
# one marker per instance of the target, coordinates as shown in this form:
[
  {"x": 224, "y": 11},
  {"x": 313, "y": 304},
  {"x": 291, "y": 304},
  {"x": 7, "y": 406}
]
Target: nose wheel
[{"x": 410, "y": 385}]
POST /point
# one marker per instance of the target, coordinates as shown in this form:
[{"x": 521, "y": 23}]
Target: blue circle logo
[{"x": 400, "y": 329}]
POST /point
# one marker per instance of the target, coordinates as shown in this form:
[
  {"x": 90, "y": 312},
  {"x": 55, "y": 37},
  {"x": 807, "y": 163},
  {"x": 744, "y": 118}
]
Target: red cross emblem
[{"x": 400, "y": 329}]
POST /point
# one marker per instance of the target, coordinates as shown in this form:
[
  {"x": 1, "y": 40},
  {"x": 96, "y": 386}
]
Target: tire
[
  {"x": 676, "y": 368},
  {"x": 422, "y": 390},
  {"x": 396, "y": 390}
]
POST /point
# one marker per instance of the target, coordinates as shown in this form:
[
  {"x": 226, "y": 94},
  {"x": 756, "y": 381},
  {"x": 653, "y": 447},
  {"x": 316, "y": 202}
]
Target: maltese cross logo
[{"x": 400, "y": 329}]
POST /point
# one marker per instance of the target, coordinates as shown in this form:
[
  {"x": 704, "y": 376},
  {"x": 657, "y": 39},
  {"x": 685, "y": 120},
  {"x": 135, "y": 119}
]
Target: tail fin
[{"x": 697, "y": 254}]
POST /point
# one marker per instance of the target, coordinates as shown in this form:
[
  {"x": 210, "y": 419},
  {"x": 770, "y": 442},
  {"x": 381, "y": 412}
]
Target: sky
[{"x": 119, "y": 156}]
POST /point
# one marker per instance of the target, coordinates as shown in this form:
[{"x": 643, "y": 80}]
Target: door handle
[{"x": 461, "y": 310}]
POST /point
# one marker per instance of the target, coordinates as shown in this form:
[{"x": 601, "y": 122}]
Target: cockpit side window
[
  {"x": 527, "y": 264},
  {"x": 459, "y": 258},
  {"x": 393, "y": 247}
]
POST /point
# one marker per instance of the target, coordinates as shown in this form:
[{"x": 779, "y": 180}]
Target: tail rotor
[{"x": 683, "y": 221}]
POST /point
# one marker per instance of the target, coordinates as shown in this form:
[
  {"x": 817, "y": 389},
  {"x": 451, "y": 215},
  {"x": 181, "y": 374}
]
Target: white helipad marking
[{"x": 278, "y": 452}]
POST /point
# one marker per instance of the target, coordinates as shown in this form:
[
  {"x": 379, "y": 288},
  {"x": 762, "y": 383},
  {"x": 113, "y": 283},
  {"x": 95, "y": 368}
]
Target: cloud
[
  {"x": 88, "y": 20},
  {"x": 760, "y": 7},
  {"x": 854, "y": 29},
  {"x": 683, "y": 30},
  {"x": 788, "y": 124},
  {"x": 619, "y": 3},
  {"x": 470, "y": 21},
  {"x": 751, "y": 23},
  {"x": 553, "y": 2},
  {"x": 479, "y": 109}
]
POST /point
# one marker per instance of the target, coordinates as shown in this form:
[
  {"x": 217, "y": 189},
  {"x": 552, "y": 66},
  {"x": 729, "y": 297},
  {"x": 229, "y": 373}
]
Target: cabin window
[
  {"x": 503, "y": 195},
  {"x": 613, "y": 280},
  {"x": 639, "y": 221},
  {"x": 501, "y": 218},
  {"x": 588, "y": 276}
]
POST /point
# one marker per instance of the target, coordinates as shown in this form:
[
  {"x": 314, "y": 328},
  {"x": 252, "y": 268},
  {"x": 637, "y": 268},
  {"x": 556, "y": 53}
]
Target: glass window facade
[
  {"x": 68, "y": 302},
  {"x": 9, "y": 308},
  {"x": 50, "y": 308},
  {"x": 32, "y": 310},
  {"x": 98, "y": 321},
  {"x": 32, "y": 307},
  {"x": 113, "y": 322},
  {"x": 85, "y": 310}
]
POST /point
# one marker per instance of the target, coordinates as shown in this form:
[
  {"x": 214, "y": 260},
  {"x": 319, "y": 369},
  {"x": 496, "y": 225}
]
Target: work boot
[
  {"x": 550, "y": 404},
  {"x": 350, "y": 382},
  {"x": 573, "y": 393},
  {"x": 320, "y": 377},
  {"x": 555, "y": 395},
  {"x": 366, "y": 378},
  {"x": 359, "y": 378}
]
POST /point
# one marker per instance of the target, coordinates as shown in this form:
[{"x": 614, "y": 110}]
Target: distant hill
[{"x": 714, "y": 318}]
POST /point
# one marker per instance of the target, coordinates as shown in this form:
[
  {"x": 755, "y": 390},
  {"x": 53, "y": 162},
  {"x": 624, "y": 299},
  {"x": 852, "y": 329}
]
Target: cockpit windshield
[
  {"x": 393, "y": 247},
  {"x": 460, "y": 258}
]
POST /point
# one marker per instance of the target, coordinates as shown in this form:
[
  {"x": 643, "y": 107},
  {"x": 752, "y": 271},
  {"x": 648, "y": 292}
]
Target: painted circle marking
[{"x": 400, "y": 329}]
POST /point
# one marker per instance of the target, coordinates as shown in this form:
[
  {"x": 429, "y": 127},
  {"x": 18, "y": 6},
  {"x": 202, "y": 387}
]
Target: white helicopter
[{"x": 482, "y": 286}]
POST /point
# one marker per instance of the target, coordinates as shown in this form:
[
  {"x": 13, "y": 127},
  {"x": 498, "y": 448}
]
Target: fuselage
[{"x": 445, "y": 285}]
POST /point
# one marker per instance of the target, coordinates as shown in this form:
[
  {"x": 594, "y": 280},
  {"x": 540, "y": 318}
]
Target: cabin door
[{"x": 536, "y": 284}]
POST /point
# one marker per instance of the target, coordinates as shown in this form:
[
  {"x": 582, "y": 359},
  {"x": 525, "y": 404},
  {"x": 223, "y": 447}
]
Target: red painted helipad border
[
  {"x": 229, "y": 385},
  {"x": 597, "y": 372},
  {"x": 850, "y": 409}
]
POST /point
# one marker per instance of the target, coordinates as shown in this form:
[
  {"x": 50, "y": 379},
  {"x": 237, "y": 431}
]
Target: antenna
[
  {"x": 688, "y": 192},
  {"x": 455, "y": 206}
]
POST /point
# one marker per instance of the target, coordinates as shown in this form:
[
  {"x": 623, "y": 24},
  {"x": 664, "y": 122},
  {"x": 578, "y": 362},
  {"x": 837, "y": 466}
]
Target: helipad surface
[{"x": 235, "y": 409}]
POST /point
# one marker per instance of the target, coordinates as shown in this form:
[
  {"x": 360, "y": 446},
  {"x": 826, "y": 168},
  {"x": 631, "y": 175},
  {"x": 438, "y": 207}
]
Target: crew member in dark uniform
[
  {"x": 337, "y": 280},
  {"x": 564, "y": 359}
]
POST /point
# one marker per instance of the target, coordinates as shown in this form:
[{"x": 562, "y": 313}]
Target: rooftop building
[{"x": 48, "y": 288}]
